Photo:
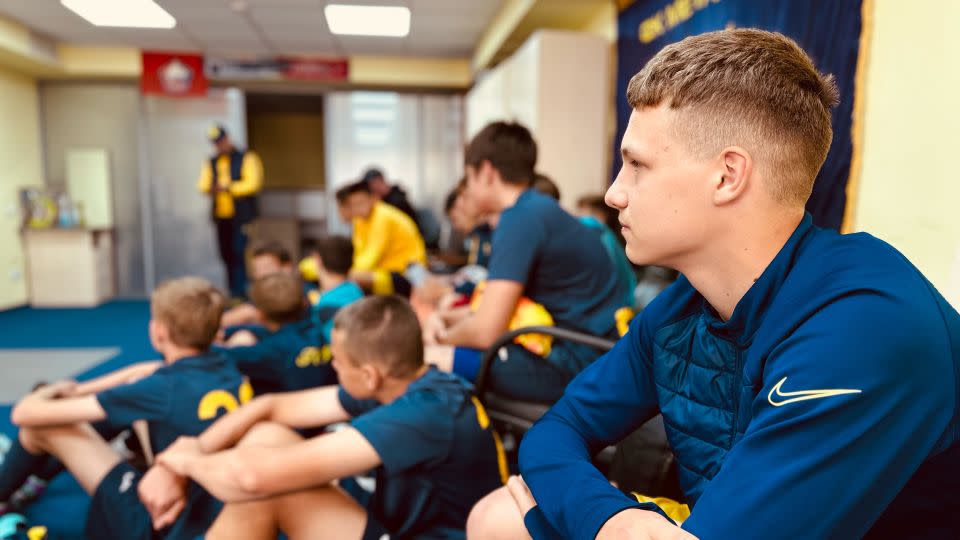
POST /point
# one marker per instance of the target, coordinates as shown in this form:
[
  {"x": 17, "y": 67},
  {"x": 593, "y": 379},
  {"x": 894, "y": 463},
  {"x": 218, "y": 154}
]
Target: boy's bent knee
[
  {"x": 269, "y": 434},
  {"x": 496, "y": 517}
]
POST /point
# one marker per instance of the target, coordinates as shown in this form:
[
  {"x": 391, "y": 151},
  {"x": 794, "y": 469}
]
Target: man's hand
[
  {"x": 55, "y": 390},
  {"x": 180, "y": 454},
  {"x": 164, "y": 494},
  {"x": 637, "y": 524},
  {"x": 434, "y": 329},
  {"x": 521, "y": 494}
]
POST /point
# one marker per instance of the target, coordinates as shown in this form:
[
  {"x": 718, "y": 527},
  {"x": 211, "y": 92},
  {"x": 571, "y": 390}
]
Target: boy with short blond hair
[{"x": 181, "y": 396}]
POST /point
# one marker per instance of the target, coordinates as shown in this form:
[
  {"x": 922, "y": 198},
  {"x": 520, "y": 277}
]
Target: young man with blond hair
[
  {"x": 807, "y": 380},
  {"x": 180, "y": 396}
]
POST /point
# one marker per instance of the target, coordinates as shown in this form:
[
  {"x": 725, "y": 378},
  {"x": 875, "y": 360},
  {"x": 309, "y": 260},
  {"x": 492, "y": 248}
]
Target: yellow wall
[
  {"x": 909, "y": 193},
  {"x": 20, "y": 165}
]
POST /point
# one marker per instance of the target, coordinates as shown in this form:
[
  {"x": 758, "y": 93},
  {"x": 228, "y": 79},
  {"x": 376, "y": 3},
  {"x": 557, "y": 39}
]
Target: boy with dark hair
[
  {"x": 293, "y": 354},
  {"x": 270, "y": 258},
  {"x": 333, "y": 257},
  {"x": 429, "y": 440},
  {"x": 180, "y": 397},
  {"x": 540, "y": 252},
  {"x": 385, "y": 241},
  {"x": 808, "y": 380}
]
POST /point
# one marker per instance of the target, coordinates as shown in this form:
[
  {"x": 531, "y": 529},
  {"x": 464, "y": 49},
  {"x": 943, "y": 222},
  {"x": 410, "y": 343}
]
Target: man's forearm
[
  {"x": 468, "y": 333},
  {"x": 229, "y": 429},
  {"x": 117, "y": 378},
  {"x": 228, "y": 475}
]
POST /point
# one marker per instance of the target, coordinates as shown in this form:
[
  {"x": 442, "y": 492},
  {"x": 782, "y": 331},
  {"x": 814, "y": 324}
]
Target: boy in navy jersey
[
  {"x": 428, "y": 439},
  {"x": 293, "y": 355},
  {"x": 182, "y": 396},
  {"x": 540, "y": 252}
]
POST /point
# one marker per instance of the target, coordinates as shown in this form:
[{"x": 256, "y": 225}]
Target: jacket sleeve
[
  {"x": 851, "y": 405},
  {"x": 251, "y": 177},
  {"x": 606, "y": 402}
]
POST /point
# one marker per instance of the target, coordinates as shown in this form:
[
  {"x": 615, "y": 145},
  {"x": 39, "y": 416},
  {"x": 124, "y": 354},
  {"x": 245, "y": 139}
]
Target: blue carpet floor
[{"x": 121, "y": 324}]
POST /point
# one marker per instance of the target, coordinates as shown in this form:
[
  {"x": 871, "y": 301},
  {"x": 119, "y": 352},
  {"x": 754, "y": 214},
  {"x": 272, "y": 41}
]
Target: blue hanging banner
[{"x": 829, "y": 30}]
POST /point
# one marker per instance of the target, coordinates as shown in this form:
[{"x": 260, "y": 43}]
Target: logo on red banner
[
  {"x": 278, "y": 68},
  {"x": 173, "y": 74}
]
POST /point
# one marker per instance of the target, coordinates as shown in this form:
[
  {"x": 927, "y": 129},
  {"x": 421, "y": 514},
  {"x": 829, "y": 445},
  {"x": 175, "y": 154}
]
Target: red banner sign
[{"x": 173, "y": 74}]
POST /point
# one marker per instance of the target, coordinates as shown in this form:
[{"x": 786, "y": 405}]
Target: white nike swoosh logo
[{"x": 803, "y": 395}]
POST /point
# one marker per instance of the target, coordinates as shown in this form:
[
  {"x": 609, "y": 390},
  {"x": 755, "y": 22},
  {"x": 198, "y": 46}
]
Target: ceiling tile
[{"x": 443, "y": 28}]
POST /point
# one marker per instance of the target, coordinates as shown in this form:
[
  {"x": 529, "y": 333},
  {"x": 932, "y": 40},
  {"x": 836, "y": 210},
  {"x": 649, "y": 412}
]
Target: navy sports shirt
[
  {"x": 295, "y": 357},
  {"x": 439, "y": 456},
  {"x": 560, "y": 262},
  {"x": 182, "y": 398},
  {"x": 825, "y": 406}
]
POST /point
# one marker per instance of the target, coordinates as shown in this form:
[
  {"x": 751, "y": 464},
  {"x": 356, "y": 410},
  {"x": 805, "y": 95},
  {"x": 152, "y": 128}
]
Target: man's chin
[{"x": 639, "y": 257}]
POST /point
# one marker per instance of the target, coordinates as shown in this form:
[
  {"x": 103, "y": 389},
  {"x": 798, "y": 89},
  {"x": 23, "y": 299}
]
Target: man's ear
[
  {"x": 372, "y": 377},
  {"x": 734, "y": 175},
  {"x": 159, "y": 335},
  {"x": 487, "y": 172}
]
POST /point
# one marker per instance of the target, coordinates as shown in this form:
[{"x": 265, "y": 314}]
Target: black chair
[
  {"x": 523, "y": 414},
  {"x": 642, "y": 462}
]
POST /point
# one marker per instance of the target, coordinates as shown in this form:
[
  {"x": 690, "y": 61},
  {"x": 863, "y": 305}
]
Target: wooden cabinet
[{"x": 69, "y": 267}]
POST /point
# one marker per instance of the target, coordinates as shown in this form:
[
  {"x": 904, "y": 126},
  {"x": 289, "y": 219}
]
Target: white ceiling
[{"x": 438, "y": 28}]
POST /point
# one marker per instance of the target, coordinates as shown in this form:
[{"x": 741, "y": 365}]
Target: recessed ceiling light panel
[
  {"x": 385, "y": 21},
  {"x": 122, "y": 13}
]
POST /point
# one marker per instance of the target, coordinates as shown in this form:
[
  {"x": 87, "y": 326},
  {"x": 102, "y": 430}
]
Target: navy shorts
[
  {"x": 519, "y": 374},
  {"x": 116, "y": 510},
  {"x": 375, "y": 529}
]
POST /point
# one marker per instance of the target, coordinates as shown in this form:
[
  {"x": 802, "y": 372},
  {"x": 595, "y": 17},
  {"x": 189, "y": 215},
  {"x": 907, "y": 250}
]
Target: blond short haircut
[
  {"x": 190, "y": 308},
  {"x": 749, "y": 88},
  {"x": 383, "y": 330},
  {"x": 279, "y": 297}
]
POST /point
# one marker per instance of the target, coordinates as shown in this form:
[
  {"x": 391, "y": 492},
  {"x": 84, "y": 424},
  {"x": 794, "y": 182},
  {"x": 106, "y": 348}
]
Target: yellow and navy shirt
[
  {"x": 386, "y": 240},
  {"x": 440, "y": 456},
  {"x": 182, "y": 398},
  {"x": 223, "y": 170},
  {"x": 295, "y": 357}
]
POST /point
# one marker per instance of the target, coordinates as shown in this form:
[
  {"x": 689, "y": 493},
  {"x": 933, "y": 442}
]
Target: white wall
[
  {"x": 909, "y": 189},
  {"x": 20, "y": 165},
  {"x": 79, "y": 115},
  {"x": 415, "y": 139},
  {"x": 558, "y": 85}
]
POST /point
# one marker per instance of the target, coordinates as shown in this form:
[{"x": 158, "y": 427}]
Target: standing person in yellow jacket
[
  {"x": 232, "y": 178},
  {"x": 385, "y": 241}
]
